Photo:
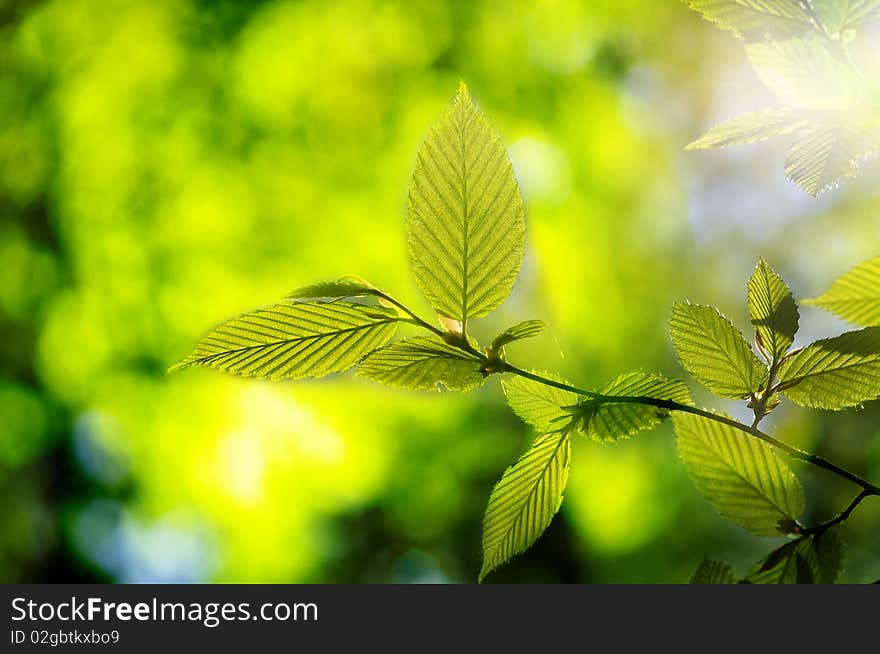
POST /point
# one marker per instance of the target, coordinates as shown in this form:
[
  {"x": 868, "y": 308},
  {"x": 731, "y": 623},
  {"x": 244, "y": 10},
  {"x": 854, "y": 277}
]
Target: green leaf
[
  {"x": 538, "y": 404},
  {"x": 824, "y": 154},
  {"x": 813, "y": 559},
  {"x": 292, "y": 341},
  {"x": 466, "y": 226},
  {"x": 855, "y": 296},
  {"x": 608, "y": 422},
  {"x": 715, "y": 352},
  {"x": 750, "y": 128},
  {"x": 713, "y": 572},
  {"x": 841, "y": 15},
  {"x": 350, "y": 286},
  {"x": 525, "y": 500},
  {"x": 519, "y": 331},
  {"x": 809, "y": 73},
  {"x": 755, "y": 19},
  {"x": 773, "y": 310},
  {"x": 740, "y": 475},
  {"x": 424, "y": 363},
  {"x": 835, "y": 373}
]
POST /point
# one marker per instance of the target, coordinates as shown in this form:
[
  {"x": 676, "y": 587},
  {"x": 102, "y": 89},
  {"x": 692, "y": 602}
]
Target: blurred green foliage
[{"x": 166, "y": 164}]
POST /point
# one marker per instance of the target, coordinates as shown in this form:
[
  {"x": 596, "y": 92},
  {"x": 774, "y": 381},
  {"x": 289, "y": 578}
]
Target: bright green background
[{"x": 165, "y": 165}]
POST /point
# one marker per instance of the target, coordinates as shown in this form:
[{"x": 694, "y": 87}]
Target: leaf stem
[
  {"x": 843, "y": 515},
  {"x": 670, "y": 405}
]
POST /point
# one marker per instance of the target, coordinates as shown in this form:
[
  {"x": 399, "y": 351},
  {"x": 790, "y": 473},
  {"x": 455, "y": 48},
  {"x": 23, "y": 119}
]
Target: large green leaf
[
  {"x": 855, "y": 296},
  {"x": 538, "y": 404},
  {"x": 824, "y": 154},
  {"x": 812, "y": 559},
  {"x": 755, "y": 19},
  {"x": 773, "y": 310},
  {"x": 525, "y": 500},
  {"x": 750, "y": 128},
  {"x": 840, "y": 15},
  {"x": 715, "y": 352},
  {"x": 713, "y": 572},
  {"x": 607, "y": 421},
  {"x": 466, "y": 227},
  {"x": 740, "y": 475},
  {"x": 292, "y": 341},
  {"x": 835, "y": 373},
  {"x": 517, "y": 332},
  {"x": 424, "y": 363}
]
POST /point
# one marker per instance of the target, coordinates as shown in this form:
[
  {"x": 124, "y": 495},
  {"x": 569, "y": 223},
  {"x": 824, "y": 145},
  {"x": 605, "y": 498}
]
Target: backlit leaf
[
  {"x": 773, "y": 310},
  {"x": 465, "y": 222},
  {"x": 740, "y": 475},
  {"x": 350, "y": 286},
  {"x": 525, "y": 500},
  {"x": 755, "y": 19},
  {"x": 835, "y": 373},
  {"x": 715, "y": 352},
  {"x": 424, "y": 363},
  {"x": 294, "y": 340},
  {"x": 607, "y": 421},
  {"x": 713, "y": 572},
  {"x": 750, "y": 128},
  {"x": 855, "y": 296},
  {"x": 538, "y": 404},
  {"x": 841, "y": 15},
  {"x": 519, "y": 331}
]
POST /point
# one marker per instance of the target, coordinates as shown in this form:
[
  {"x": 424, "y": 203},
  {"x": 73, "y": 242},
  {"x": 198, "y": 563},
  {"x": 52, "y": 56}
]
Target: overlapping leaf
[
  {"x": 465, "y": 222},
  {"x": 773, "y": 310},
  {"x": 835, "y": 373},
  {"x": 855, "y": 296},
  {"x": 517, "y": 332},
  {"x": 351, "y": 286},
  {"x": 812, "y": 559},
  {"x": 538, "y": 404},
  {"x": 837, "y": 16},
  {"x": 608, "y": 421},
  {"x": 715, "y": 352},
  {"x": 741, "y": 476},
  {"x": 713, "y": 572},
  {"x": 424, "y": 363},
  {"x": 292, "y": 341},
  {"x": 525, "y": 500}
]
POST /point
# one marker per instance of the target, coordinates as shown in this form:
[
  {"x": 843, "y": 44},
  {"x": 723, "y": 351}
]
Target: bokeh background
[{"x": 167, "y": 164}]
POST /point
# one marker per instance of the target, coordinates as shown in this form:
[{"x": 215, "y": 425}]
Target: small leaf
[
  {"x": 424, "y": 363},
  {"x": 525, "y": 500},
  {"x": 750, "y": 128},
  {"x": 713, "y": 572},
  {"x": 351, "y": 286},
  {"x": 773, "y": 310},
  {"x": 466, "y": 225},
  {"x": 517, "y": 332},
  {"x": 855, "y": 296},
  {"x": 715, "y": 352},
  {"x": 835, "y": 373},
  {"x": 292, "y": 341},
  {"x": 812, "y": 559},
  {"x": 740, "y": 475},
  {"x": 538, "y": 404},
  {"x": 612, "y": 421}
]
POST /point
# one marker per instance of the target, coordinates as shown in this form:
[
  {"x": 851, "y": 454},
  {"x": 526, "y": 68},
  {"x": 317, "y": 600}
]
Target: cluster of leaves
[
  {"x": 465, "y": 232},
  {"x": 827, "y": 105}
]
